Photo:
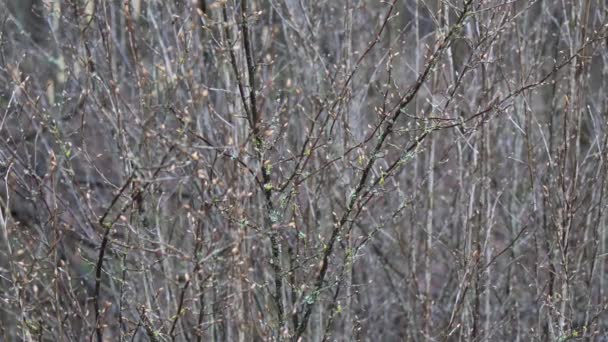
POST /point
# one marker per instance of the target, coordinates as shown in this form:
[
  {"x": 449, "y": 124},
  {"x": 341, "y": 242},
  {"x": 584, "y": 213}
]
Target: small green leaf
[{"x": 360, "y": 160}]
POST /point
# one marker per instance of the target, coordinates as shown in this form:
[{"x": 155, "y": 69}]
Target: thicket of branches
[{"x": 303, "y": 170}]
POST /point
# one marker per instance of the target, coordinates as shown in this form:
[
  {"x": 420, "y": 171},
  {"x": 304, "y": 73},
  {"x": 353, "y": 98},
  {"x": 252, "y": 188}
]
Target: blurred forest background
[{"x": 303, "y": 170}]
